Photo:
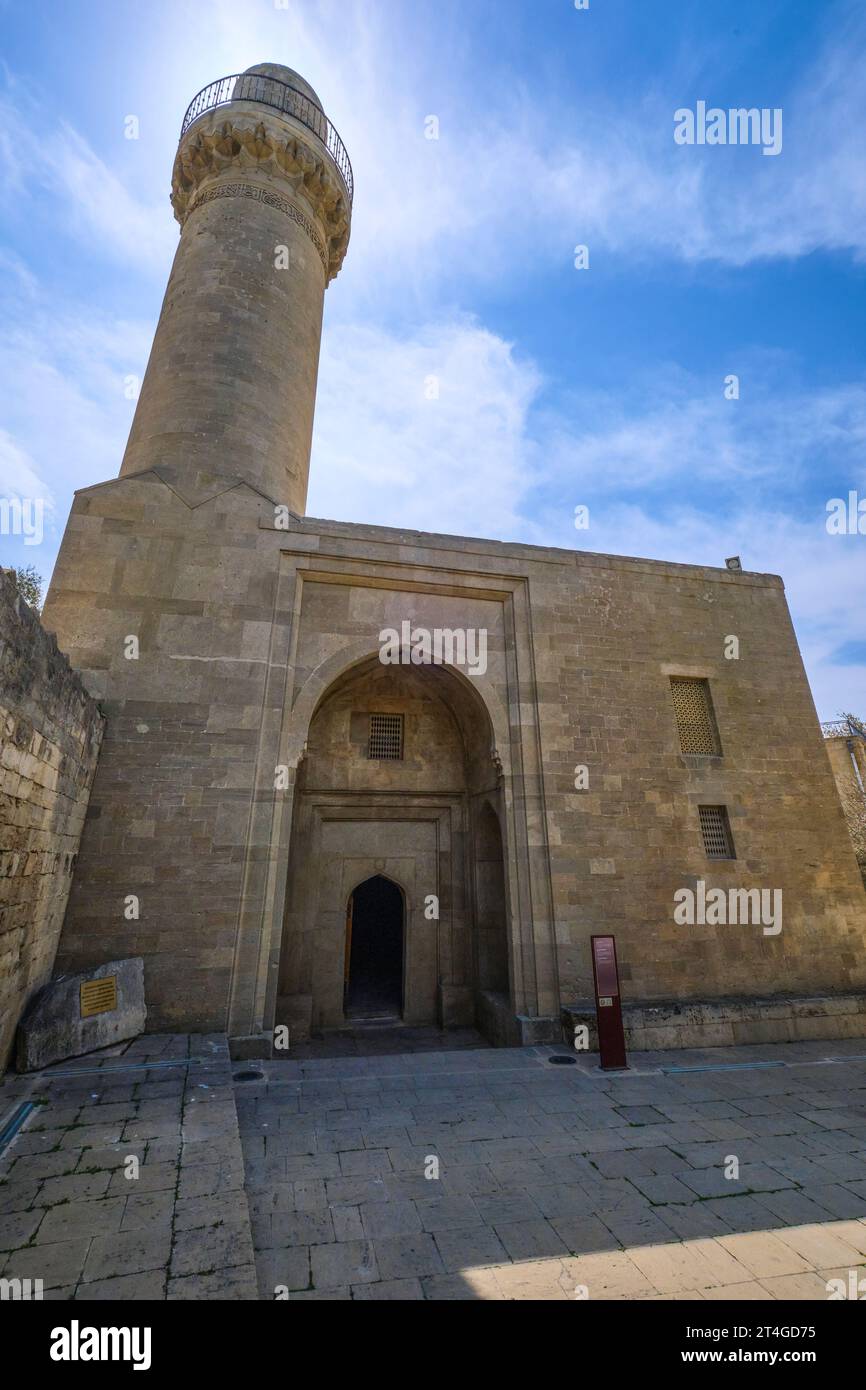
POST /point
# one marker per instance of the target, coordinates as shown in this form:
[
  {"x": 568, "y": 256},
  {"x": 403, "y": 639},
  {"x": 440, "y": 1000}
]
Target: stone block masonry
[
  {"x": 50, "y": 735},
  {"x": 235, "y": 644},
  {"x": 258, "y": 651}
]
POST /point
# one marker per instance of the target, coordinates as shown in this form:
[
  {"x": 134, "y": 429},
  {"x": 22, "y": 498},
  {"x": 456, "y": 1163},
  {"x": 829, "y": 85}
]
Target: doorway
[{"x": 374, "y": 951}]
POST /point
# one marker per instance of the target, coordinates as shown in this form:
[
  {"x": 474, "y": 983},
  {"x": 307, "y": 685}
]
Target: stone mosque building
[{"x": 290, "y": 829}]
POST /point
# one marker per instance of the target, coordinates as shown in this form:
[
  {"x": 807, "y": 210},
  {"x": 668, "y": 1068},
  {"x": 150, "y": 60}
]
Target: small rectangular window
[
  {"x": 696, "y": 721},
  {"x": 386, "y": 736},
  {"x": 716, "y": 830}
]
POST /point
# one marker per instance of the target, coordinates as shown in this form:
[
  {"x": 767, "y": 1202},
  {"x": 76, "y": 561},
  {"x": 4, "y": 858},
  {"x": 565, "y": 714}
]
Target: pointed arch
[
  {"x": 375, "y": 949},
  {"x": 418, "y": 821},
  {"x": 351, "y": 659}
]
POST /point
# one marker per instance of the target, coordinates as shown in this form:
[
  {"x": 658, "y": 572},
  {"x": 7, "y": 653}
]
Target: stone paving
[
  {"x": 471, "y": 1174},
  {"x": 77, "y": 1214},
  {"x": 378, "y": 1040},
  {"x": 558, "y": 1181}
]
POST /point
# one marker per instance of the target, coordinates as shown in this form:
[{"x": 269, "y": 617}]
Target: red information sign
[{"x": 608, "y": 1011}]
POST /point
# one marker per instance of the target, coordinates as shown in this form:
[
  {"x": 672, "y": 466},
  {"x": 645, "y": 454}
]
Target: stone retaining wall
[
  {"x": 726, "y": 1022},
  {"x": 50, "y": 733}
]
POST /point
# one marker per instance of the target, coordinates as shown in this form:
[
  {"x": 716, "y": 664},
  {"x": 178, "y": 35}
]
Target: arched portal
[
  {"x": 373, "y": 986},
  {"x": 398, "y": 767}
]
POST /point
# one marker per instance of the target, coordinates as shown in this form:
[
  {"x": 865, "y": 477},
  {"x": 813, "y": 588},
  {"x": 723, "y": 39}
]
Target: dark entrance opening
[{"x": 374, "y": 951}]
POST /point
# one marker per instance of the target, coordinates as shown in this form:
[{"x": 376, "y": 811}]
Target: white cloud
[
  {"x": 426, "y": 430},
  {"x": 39, "y": 153},
  {"x": 681, "y": 429},
  {"x": 18, "y": 474},
  {"x": 101, "y": 205},
  {"x": 511, "y": 185},
  {"x": 729, "y": 477},
  {"x": 65, "y": 416},
  {"x": 516, "y": 179}
]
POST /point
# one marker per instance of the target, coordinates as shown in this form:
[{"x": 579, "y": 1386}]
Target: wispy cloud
[
  {"x": 65, "y": 411},
  {"x": 491, "y": 210},
  {"x": 102, "y": 206},
  {"x": 492, "y": 457},
  {"x": 675, "y": 429},
  {"x": 19, "y": 477},
  {"x": 427, "y": 430},
  {"x": 40, "y": 154},
  {"x": 513, "y": 182}
]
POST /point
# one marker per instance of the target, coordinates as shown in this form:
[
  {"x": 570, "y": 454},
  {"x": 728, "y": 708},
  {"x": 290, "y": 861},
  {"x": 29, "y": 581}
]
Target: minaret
[
  {"x": 262, "y": 189},
  {"x": 169, "y": 590}
]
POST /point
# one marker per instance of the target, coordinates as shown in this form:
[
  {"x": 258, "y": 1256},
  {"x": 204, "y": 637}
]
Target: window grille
[
  {"x": 696, "y": 721},
  {"x": 716, "y": 830},
  {"x": 386, "y": 736}
]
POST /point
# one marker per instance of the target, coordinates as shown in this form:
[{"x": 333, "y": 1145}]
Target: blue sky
[{"x": 557, "y": 386}]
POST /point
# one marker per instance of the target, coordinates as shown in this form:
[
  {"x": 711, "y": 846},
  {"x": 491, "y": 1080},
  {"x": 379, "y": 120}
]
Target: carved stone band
[
  {"x": 273, "y": 200},
  {"x": 273, "y": 150}
]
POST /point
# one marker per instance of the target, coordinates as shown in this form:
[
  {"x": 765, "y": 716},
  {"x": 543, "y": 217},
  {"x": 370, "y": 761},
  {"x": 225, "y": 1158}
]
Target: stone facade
[
  {"x": 235, "y": 797},
  {"x": 50, "y": 732},
  {"x": 845, "y": 743},
  {"x": 728, "y": 1022},
  {"x": 259, "y": 648}
]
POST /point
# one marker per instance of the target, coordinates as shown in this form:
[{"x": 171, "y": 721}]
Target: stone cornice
[{"x": 289, "y": 162}]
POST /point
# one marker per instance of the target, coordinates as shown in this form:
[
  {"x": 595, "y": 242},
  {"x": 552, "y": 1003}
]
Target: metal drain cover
[{"x": 561, "y": 1061}]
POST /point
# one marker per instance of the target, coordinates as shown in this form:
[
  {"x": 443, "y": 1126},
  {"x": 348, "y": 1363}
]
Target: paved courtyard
[
  {"x": 378, "y": 1040},
  {"x": 479, "y": 1174},
  {"x": 555, "y": 1177},
  {"x": 77, "y": 1214}
]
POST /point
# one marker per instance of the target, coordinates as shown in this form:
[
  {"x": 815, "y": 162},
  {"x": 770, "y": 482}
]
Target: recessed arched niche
[{"x": 399, "y": 786}]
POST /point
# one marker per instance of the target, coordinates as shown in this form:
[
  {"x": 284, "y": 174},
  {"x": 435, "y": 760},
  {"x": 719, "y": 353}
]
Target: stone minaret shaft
[{"x": 262, "y": 190}]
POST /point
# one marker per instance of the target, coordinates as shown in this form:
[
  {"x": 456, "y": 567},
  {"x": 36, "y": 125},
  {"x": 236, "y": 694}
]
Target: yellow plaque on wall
[{"x": 98, "y": 996}]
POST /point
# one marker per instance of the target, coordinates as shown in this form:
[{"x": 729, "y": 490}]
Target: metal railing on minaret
[{"x": 280, "y": 96}]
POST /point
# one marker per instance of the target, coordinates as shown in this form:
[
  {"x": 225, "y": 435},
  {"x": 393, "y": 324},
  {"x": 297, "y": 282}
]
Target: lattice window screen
[
  {"x": 695, "y": 719},
  {"x": 386, "y": 736},
  {"x": 716, "y": 831}
]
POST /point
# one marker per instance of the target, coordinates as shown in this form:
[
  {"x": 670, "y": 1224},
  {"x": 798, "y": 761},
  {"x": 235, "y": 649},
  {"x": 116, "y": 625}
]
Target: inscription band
[{"x": 264, "y": 195}]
